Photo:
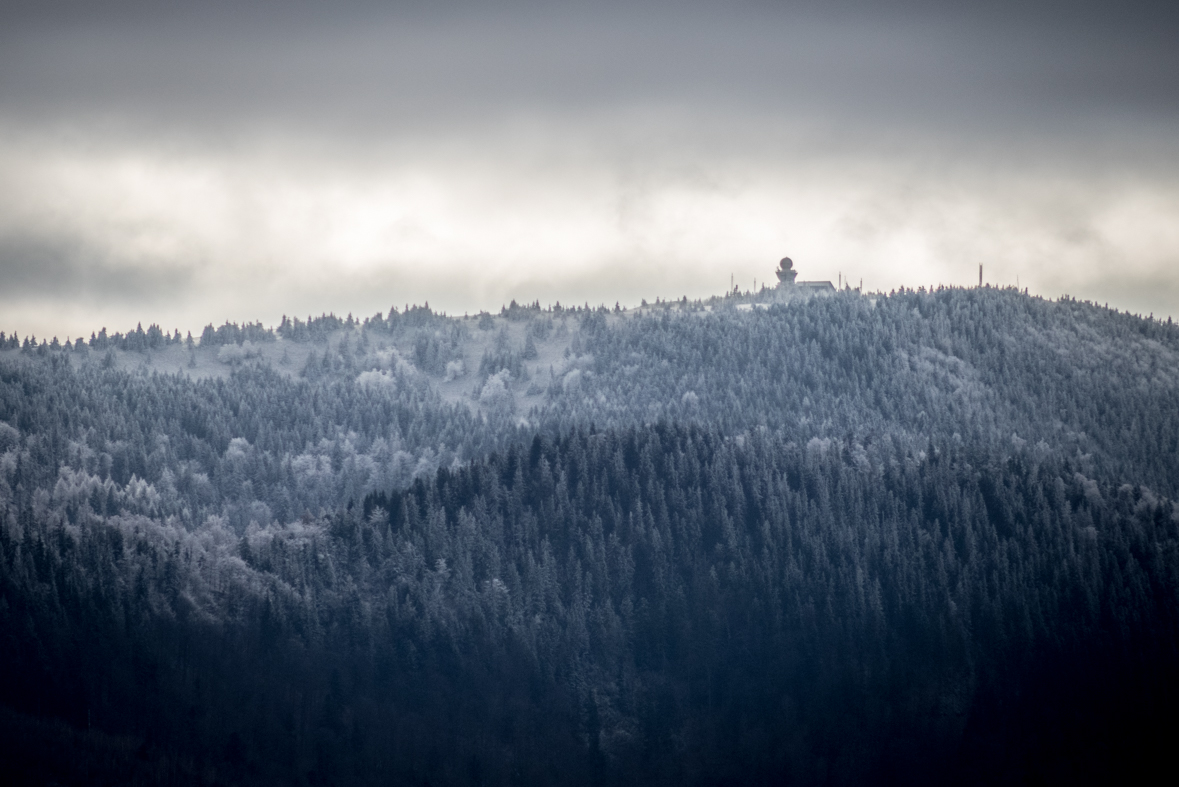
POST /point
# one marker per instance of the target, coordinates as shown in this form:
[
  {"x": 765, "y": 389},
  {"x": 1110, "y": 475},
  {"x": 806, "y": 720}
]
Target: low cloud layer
[{"x": 186, "y": 169}]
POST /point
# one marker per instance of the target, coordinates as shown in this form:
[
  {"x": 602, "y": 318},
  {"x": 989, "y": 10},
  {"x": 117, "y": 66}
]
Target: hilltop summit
[{"x": 788, "y": 286}]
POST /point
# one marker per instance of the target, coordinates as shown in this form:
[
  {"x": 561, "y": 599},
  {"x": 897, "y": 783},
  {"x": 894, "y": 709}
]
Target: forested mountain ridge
[
  {"x": 364, "y": 406},
  {"x": 891, "y": 538}
]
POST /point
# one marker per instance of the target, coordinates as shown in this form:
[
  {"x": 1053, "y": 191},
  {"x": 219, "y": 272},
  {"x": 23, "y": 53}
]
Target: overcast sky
[{"x": 179, "y": 165}]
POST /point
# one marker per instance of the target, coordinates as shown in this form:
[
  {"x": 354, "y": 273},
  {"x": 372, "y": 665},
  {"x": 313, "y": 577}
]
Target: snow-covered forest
[{"x": 903, "y": 537}]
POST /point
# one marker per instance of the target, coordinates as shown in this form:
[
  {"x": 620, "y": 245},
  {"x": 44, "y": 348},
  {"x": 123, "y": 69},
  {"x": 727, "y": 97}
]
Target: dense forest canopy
[{"x": 846, "y": 539}]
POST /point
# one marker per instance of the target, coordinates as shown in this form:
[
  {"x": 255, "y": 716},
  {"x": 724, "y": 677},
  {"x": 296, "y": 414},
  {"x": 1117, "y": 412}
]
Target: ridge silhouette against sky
[{"x": 162, "y": 163}]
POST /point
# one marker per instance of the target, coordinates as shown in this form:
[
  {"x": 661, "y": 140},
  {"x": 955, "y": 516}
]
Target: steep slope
[{"x": 654, "y": 606}]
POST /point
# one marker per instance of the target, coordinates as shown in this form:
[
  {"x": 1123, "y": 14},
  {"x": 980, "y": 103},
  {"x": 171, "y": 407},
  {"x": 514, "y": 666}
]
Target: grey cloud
[
  {"x": 66, "y": 268},
  {"x": 373, "y": 72},
  {"x": 901, "y": 99}
]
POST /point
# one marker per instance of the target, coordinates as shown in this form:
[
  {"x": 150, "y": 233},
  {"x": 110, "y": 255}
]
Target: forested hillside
[{"x": 898, "y": 538}]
